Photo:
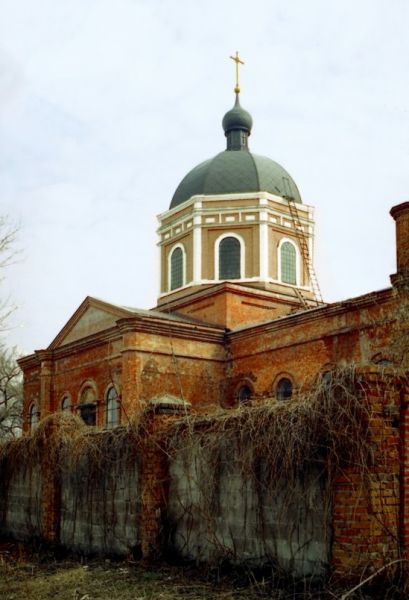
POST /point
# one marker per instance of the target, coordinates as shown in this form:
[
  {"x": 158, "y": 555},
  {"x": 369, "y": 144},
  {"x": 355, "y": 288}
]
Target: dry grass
[
  {"x": 38, "y": 576},
  {"x": 29, "y": 575}
]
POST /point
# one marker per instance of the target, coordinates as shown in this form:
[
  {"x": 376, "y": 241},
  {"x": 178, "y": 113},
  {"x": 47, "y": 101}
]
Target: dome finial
[{"x": 238, "y": 62}]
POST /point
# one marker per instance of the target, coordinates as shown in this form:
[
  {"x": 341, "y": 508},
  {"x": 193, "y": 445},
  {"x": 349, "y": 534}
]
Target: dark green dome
[
  {"x": 232, "y": 172},
  {"x": 236, "y": 170}
]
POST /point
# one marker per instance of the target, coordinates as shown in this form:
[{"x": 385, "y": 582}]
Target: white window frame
[
  {"x": 242, "y": 255},
  {"x": 297, "y": 262},
  {"x": 175, "y": 247}
]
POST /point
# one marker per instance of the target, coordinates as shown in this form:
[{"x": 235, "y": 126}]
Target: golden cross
[{"x": 238, "y": 61}]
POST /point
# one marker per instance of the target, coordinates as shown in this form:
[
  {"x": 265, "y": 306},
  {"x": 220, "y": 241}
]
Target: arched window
[
  {"x": 382, "y": 360},
  {"x": 112, "y": 409},
  {"x": 88, "y": 406},
  {"x": 244, "y": 394},
  {"x": 284, "y": 389},
  {"x": 33, "y": 417},
  {"x": 229, "y": 258},
  {"x": 66, "y": 404},
  {"x": 176, "y": 268},
  {"x": 288, "y": 262},
  {"x": 326, "y": 379}
]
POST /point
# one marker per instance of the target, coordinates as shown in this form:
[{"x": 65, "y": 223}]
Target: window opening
[
  {"x": 88, "y": 407},
  {"x": 244, "y": 393},
  {"x": 229, "y": 258},
  {"x": 112, "y": 410},
  {"x": 176, "y": 269},
  {"x": 65, "y": 404},
  {"x": 326, "y": 379},
  {"x": 284, "y": 389},
  {"x": 288, "y": 263}
]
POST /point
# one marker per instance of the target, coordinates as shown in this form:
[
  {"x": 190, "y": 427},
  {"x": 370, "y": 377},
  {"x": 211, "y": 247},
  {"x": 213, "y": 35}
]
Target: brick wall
[
  {"x": 124, "y": 510},
  {"x": 367, "y": 508},
  {"x": 404, "y": 476}
]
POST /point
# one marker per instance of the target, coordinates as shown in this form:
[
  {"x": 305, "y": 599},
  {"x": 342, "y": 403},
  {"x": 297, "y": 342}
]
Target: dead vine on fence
[
  {"x": 326, "y": 427},
  {"x": 64, "y": 438}
]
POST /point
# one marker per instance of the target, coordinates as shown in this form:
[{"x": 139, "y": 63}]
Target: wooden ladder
[{"x": 302, "y": 240}]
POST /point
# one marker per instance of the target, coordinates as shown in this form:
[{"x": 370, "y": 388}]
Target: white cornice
[
  {"x": 238, "y": 281},
  {"x": 198, "y": 212},
  {"x": 222, "y": 197}
]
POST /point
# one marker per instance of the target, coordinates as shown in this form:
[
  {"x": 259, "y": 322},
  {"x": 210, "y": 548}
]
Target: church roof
[
  {"x": 236, "y": 170},
  {"x": 232, "y": 172},
  {"x": 94, "y": 316}
]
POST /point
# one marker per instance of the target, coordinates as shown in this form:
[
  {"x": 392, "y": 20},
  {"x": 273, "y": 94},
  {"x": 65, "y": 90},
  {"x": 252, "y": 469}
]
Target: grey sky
[{"x": 104, "y": 107}]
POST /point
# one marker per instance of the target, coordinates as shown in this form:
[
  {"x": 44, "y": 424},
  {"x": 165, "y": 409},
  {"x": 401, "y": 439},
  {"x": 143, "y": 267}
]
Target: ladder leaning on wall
[{"x": 305, "y": 253}]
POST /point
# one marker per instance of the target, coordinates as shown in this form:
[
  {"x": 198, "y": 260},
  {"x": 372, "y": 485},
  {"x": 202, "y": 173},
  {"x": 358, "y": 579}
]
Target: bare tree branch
[
  {"x": 11, "y": 389},
  {"x": 11, "y": 394},
  {"x": 8, "y": 255}
]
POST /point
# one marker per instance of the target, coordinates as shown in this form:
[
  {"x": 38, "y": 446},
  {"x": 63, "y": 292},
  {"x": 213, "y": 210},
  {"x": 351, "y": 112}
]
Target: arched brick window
[
  {"x": 66, "y": 403},
  {"x": 284, "y": 389},
  {"x": 88, "y": 406},
  {"x": 244, "y": 393},
  {"x": 112, "y": 408}
]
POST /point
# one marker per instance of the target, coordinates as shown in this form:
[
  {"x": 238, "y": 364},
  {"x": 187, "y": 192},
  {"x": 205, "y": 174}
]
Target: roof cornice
[
  {"x": 213, "y": 289},
  {"x": 236, "y": 196},
  {"x": 119, "y": 311},
  {"x": 191, "y": 331},
  {"x": 312, "y": 314}
]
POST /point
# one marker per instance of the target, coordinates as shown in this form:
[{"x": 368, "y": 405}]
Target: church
[
  {"x": 239, "y": 321},
  {"x": 239, "y": 314}
]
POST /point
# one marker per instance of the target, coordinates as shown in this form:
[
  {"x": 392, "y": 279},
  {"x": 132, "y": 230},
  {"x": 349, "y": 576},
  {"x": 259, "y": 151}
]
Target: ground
[{"x": 33, "y": 574}]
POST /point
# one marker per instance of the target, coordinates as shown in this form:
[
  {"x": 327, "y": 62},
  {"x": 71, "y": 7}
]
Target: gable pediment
[{"x": 93, "y": 316}]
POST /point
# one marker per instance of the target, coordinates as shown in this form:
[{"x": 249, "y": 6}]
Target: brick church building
[
  {"x": 239, "y": 319},
  {"x": 239, "y": 313}
]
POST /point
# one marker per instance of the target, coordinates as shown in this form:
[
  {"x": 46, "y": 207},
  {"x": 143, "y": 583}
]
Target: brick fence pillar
[
  {"x": 50, "y": 486},
  {"x": 161, "y": 414},
  {"x": 51, "y": 502},
  {"x": 366, "y": 508}
]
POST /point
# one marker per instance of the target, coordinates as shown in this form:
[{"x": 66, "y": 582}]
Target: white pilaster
[
  {"x": 161, "y": 284},
  {"x": 263, "y": 249},
  {"x": 197, "y": 249}
]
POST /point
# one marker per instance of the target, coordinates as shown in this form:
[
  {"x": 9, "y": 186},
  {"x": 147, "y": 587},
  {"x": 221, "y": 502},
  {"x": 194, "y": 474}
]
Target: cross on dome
[{"x": 238, "y": 62}]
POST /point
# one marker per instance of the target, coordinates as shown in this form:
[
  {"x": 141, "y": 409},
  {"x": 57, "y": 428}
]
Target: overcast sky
[{"x": 105, "y": 105}]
